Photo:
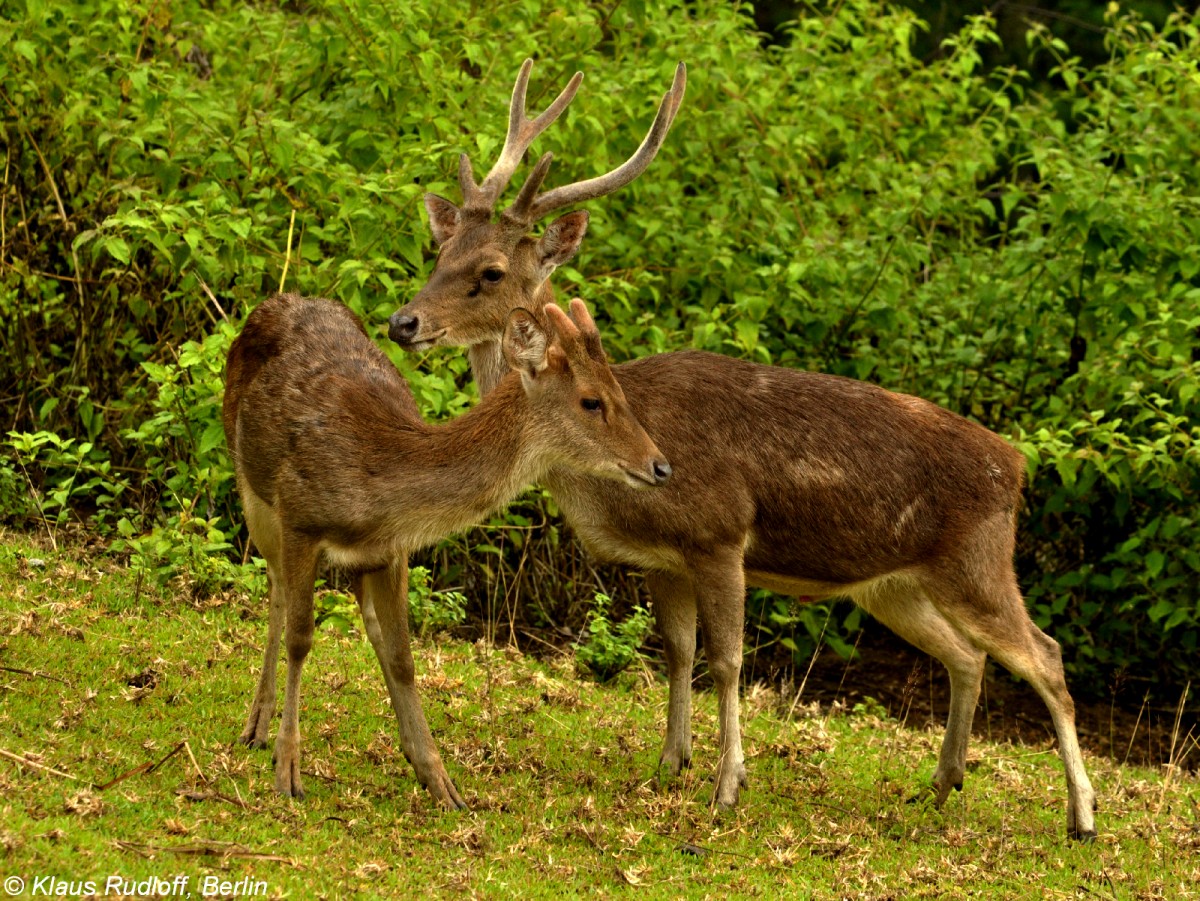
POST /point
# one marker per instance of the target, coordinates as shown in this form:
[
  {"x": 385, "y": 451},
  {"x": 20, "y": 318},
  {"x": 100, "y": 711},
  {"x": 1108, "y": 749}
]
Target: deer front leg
[
  {"x": 675, "y": 612},
  {"x": 262, "y": 707},
  {"x": 299, "y": 570},
  {"x": 384, "y": 602},
  {"x": 720, "y": 589}
]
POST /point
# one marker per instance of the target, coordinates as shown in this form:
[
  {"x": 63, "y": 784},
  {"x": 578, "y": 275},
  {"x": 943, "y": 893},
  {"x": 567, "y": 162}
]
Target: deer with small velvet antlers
[
  {"x": 334, "y": 461},
  {"x": 805, "y": 484}
]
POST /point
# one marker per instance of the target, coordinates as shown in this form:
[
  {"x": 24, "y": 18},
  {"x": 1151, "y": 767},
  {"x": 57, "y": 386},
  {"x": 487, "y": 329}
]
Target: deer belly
[
  {"x": 803, "y": 589},
  {"x": 615, "y": 547}
]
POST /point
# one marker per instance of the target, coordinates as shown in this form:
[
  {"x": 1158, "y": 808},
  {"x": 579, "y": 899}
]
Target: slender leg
[
  {"x": 1050, "y": 682},
  {"x": 298, "y": 571},
  {"x": 978, "y": 593},
  {"x": 366, "y": 606},
  {"x": 384, "y": 602},
  {"x": 905, "y": 609},
  {"x": 262, "y": 708},
  {"x": 720, "y": 590},
  {"x": 1026, "y": 651},
  {"x": 675, "y": 611},
  {"x": 265, "y": 531}
]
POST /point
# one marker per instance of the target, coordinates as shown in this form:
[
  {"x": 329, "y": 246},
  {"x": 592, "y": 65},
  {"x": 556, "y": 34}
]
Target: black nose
[
  {"x": 402, "y": 328},
  {"x": 662, "y": 471}
]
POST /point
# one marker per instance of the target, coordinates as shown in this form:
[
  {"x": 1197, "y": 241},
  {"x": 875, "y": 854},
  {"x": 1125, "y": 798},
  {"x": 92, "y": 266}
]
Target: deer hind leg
[
  {"x": 906, "y": 609},
  {"x": 720, "y": 590},
  {"x": 383, "y": 598},
  {"x": 266, "y": 534},
  {"x": 298, "y": 571},
  {"x": 675, "y": 612},
  {"x": 991, "y": 612},
  {"x": 1028, "y": 652},
  {"x": 262, "y": 707}
]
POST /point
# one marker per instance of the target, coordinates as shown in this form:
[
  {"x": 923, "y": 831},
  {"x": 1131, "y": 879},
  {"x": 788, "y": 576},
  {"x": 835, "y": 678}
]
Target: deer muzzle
[
  {"x": 653, "y": 476},
  {"x": 403, "y": 327}
]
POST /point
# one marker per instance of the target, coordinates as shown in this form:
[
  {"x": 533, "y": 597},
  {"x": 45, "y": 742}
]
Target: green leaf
[
  {"x": 1154, "y": 563},
  {"x": 212, "y": 437},
  {"x": 117, "y": 248}
]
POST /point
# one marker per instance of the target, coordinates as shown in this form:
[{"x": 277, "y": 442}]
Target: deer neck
[
  {"x": 462, "y": 470},
  {"x": 487, "y": 365},
  {"x": 487, "y": 359}
]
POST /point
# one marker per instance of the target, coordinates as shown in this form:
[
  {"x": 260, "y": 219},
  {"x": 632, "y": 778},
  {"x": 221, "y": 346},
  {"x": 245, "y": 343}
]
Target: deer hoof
[
  {"x": 670, "y": 766},
  {"x": 287, "y": 779},
  {"x": 444, "y": 790},
  {"x": 258, "y": 724}
]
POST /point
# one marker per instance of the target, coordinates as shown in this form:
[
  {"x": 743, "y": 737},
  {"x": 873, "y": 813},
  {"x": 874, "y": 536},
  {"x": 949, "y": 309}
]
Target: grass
[{"x": 126, "y": 704}]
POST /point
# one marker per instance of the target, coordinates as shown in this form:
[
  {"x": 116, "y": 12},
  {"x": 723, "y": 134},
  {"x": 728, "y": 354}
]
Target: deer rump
[
  {"x": 319, "y": 350},
  {"x": 876, "y": 482}
]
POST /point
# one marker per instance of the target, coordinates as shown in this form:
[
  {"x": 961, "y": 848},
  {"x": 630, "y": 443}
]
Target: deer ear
[
  {"x": 525, "y": 344},
  {"x": 443, "y": 218},
  {"x": 561, "y": 240}
]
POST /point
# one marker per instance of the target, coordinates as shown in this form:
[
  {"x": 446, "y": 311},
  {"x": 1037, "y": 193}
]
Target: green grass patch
[{"x": 126, "y": 704}]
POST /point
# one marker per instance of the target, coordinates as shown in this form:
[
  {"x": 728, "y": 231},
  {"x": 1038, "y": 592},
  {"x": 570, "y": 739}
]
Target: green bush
[
  {"x": 431, "y": 610},
  {"x": 608, "y": 649},
  {"x": 1025, "y": 254}
]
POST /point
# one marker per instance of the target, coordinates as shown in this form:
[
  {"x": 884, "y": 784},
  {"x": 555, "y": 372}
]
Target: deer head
[
  {"x": 487, "y": 266},
  {"x": 576, "y": 406}
]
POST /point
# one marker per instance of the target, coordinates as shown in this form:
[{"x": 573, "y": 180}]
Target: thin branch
[
  {"x": 287, "y": 257},
  {"x": 213, "y": 299},
  {"x": 37, "y": 766},
  {"x": 36, "y": 674},
  {"x": 205, "y": 849},
  {"x": 147, "y": 767}
]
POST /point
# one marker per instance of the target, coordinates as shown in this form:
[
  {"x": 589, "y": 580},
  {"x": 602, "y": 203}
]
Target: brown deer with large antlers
[
  {"x": 333, "y": 460},
  {"x": 806, "y": 484}
]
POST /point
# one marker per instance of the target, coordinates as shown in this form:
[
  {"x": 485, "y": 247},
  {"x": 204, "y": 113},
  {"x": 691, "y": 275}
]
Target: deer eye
[
  {"x": 591, "y": 404},
  {"x": 493, "y": 274}
]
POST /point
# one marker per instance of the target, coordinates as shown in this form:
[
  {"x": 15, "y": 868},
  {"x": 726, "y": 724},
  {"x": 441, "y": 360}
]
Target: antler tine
[
  {"x": 592, "y": 188},
  {"x": 521, "y": 133},
  {"x": 582, "y": 316},
  {"x": 561, "y": 323},
  {"x": 520, "y": 208},
  {"x": 466, "y": 181}
]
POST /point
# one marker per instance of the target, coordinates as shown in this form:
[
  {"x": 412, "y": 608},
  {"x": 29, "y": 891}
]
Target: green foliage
[
  {"x": 1029, "y": 257},
  {"x": 61, "y": 473},
  {"x": 802, "y": 627},
  {"x": 335, "y": 609},
  {"x": 609, "y": 648},
  {"x": 870, "y": 707},
  {"x": 430, "y": 610},
  {"x": 188, "y": 552}
]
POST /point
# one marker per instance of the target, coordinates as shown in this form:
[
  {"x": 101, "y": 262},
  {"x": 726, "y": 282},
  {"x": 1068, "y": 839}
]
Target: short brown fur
[{"x": 334, "y": 461}]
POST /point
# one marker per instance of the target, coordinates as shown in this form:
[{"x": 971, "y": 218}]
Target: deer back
[{"x": 834, "y": 479}]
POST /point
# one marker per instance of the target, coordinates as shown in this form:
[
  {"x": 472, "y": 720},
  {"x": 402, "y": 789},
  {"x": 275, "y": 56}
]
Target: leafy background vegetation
[{"x": 1023, "y": 250}]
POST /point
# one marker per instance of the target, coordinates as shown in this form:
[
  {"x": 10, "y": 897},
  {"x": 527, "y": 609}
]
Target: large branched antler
[
  {"x": 521, "y": 133},
  {"x": 530, "y": 206}
]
